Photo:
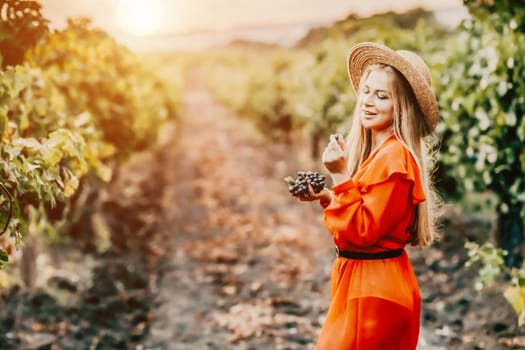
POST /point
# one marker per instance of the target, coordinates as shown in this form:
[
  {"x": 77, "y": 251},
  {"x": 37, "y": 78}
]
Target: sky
[{"x": 143, "y": 22}]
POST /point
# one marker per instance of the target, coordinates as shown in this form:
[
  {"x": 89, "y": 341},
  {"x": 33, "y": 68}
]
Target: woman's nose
[{"x": 368, "y": 100}]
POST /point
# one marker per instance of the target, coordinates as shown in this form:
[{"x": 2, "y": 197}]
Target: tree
[
  {"x": 483, "y": 106},
  {"x": 21, "y": 26}
]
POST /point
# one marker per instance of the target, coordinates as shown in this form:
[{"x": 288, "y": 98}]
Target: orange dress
[{"x": 375, "y": 304}]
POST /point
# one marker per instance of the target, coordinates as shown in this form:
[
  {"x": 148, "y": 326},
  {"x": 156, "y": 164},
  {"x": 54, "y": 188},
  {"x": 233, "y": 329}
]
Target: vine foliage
[{"x": 21, "y": 26}]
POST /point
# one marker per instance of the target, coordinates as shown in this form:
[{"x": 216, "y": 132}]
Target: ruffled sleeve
[
  {"x": 393, "y": 159},
  {"x": 378, "y": 200}
]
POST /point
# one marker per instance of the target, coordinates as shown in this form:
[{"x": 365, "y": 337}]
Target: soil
[{"x": 211, "y": 252}]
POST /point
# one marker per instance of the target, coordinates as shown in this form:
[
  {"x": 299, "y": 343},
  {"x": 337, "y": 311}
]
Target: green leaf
[
  {"x": 51, "y": 155},
  {"x": 30, "y": 143},
  {"x": 104, "y": 172},
  {"x": 70, "y": 186},
  {"x": 515, "y": 295},
  {"x": 3, "y": 120},
  {"x": 4, "y": 258},
  {"x": 289, "y": 180}
]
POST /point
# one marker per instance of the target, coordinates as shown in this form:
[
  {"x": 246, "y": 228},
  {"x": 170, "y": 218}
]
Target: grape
[{"x": 299, "y": 187}]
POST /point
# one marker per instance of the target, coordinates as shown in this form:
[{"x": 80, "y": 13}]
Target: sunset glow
[
  {"x": 153, "y": 25},
  {"x": 140, "y": 17}
]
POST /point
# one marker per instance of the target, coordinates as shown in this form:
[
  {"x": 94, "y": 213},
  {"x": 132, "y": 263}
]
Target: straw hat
[{"x": 410, "y": 65}]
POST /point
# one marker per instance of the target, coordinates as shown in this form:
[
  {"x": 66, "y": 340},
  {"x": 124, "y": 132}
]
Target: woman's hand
[
  {"x": 334, "y": 159},
  {"x": 324, "y": 196}
]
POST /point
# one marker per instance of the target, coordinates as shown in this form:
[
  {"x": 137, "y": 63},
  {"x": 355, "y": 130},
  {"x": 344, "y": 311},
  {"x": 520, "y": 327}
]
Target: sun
[{"x": 140, "y": 17}]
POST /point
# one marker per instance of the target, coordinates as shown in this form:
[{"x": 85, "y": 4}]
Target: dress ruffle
[{"x": 393, "y": 158}]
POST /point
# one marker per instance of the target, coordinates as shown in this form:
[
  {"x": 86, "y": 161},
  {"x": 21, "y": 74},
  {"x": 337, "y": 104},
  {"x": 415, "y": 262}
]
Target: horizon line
[{"x": 268, "y": 25}]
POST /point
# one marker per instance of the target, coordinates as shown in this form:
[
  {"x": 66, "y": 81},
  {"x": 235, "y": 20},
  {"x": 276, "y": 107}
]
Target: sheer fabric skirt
[{"x": 375, "y": 304}]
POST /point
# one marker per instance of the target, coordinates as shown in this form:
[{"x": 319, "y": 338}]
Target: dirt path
[
  {"x": 249, "y": 266},
  {"x": 247, "y": 259}
]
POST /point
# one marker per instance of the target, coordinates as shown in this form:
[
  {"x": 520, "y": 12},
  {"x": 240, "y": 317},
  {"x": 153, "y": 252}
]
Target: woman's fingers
[
  {"x": 336, "y": 142},
  {"x": 328, "y": 155},
  {"x": 332, "y": 153},
  {"x": 340, "y": 141},
  {"x": 333, "y": 141},
  {"x": 312, "y": 196}
]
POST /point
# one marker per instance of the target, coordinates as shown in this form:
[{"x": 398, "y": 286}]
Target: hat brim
[{"x": 362, "y": 55}]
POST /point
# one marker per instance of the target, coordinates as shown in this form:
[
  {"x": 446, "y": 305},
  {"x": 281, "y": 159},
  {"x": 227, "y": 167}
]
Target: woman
[{"x": 381, "y": 200}]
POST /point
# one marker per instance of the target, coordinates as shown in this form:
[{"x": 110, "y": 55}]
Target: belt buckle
[{"x": 337, "y": 250}]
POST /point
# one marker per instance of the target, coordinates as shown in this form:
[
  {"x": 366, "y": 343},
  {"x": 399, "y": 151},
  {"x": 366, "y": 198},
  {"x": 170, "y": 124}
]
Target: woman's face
[{"x": 377, "y": 108}]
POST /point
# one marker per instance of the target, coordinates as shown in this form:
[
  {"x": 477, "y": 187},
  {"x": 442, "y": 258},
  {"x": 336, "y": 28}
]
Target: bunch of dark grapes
[{"x": 299, "y": 186}]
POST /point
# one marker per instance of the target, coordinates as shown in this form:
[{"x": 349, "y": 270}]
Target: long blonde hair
[{"x": 408, "y": 127}]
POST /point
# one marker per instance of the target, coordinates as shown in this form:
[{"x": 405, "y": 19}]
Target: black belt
[{"x": 387, "y": 254}]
